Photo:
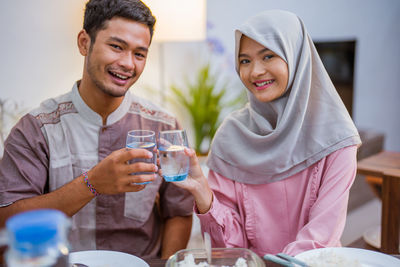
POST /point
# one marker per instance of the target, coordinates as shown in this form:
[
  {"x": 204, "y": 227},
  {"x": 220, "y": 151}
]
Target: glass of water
[
  {"x": 173, "y": 160},
  {"x": 144, "y": 139}
]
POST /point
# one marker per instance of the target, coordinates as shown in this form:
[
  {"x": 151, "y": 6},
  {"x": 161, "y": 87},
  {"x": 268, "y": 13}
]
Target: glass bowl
[{"x": 219, "y": 257}]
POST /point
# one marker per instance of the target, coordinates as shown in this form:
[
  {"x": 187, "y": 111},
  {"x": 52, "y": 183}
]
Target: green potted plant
[{"x": 204, "y": 102}]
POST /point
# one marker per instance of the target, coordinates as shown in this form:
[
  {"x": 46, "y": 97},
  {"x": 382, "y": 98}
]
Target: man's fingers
[
  {"x": 127, "y": 154},
  {"x": 136, "y": 187},
  {"x": 140, "y": 167},
  {"x": 140, "y": 179}
]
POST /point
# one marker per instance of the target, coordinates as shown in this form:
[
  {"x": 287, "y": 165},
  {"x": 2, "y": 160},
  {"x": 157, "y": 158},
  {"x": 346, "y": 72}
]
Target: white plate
[
  {"x": 364, "y": 257},
  {"x": 106, "y": 258}
]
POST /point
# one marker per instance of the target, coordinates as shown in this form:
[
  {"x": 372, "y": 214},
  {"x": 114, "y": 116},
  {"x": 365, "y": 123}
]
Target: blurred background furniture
[
  {"x": 386, "y": 167},
  {"x": 360, "y": 193},
  {"x": 363, "y": 221},
  {"x": 373, "y": 143}
]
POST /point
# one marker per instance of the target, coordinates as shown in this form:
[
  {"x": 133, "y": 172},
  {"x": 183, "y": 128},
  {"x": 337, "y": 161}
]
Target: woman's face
[{"x": 263, "y": 72}]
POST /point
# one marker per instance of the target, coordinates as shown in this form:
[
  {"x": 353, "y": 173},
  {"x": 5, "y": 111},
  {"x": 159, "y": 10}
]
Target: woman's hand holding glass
[
  {"x": 173, "y": 160},
  {"x": 196, "y": 183}
]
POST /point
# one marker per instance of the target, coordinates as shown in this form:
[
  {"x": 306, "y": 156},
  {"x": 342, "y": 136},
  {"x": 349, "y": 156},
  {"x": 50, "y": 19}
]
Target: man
[{"x": 69, "y": 153}]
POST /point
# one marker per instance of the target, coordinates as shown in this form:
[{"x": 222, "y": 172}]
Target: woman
[{"x": 281, "y": 167}]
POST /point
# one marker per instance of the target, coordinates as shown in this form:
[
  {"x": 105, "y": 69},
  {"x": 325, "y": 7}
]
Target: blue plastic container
[{"x": 38, "y": 238}]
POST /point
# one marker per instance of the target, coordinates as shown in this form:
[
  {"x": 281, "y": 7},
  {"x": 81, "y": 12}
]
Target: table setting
[
  {"x": 241, "y": 257},
  {"x": 105, "y": 258}
]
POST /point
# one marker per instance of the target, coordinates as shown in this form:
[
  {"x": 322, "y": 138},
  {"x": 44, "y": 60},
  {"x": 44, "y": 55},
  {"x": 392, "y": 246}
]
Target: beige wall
[{"x": 40, "y": 58}]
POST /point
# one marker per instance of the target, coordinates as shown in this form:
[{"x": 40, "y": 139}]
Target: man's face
[{"x": 117, "y": 57}]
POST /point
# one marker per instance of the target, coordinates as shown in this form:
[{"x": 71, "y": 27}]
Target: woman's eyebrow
[{"x": 262, "y": 51}]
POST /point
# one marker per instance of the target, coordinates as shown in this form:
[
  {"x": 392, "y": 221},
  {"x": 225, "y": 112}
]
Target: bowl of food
[
  {"x": 344, "y": 256},
  {"x": 233, "y": 257}
]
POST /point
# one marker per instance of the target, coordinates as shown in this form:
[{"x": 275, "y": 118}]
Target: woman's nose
[{"x": 258, "y": 69}]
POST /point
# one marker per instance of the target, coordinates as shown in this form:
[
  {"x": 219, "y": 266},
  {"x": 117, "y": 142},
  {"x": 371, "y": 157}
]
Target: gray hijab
[{"x": 268, "y": 142}]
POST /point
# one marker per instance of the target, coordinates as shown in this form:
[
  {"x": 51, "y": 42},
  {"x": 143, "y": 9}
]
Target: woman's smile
[{"x": 263, "y": 84}]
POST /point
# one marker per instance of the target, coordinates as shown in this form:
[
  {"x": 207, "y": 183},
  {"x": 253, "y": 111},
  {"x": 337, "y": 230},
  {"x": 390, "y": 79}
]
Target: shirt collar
[{"x": 93, "y": 117}]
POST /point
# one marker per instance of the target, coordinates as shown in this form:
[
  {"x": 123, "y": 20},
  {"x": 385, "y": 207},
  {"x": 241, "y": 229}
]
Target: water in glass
[
  {"x": 144, "y": 139},
  {"x": 173, "y": 160}
]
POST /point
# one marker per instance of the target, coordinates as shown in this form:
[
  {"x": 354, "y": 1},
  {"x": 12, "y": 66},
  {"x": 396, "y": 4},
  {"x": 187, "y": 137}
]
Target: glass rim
[
  {"x": 172, "y": 131},
  {"x": 145, "y": 133}
]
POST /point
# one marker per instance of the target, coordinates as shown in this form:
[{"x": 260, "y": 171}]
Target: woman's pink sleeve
[{"x": 223, "y": 221}]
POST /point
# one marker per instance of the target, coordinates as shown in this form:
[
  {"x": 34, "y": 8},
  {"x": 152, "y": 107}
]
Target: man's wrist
[{"x": 91, "y": 188}]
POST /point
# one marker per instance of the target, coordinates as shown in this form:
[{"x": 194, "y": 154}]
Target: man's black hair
[{"x": 99, "y": 12}]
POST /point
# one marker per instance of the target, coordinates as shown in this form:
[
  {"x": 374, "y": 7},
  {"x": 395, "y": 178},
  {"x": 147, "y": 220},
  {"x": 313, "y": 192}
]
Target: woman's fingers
[{"x": 195, "y": 169}]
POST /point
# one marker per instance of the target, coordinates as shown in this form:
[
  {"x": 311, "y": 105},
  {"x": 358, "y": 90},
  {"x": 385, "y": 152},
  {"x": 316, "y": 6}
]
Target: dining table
[
  {"x": 157, "y": 262},
  {"x": 386, "y": 167},
  {"x": 161, "y": 262}
]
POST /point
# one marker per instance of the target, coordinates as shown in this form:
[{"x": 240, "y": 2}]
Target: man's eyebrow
[
  {"x": 119, "y": 40},
  {"x": 144, "y": 49}
]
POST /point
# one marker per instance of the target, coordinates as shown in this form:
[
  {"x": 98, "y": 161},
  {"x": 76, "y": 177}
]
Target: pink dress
[{"x": 303, "y": 212}]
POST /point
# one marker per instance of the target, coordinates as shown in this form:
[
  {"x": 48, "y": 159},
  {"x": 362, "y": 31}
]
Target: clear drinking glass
[
  {"x": 173, "y": 160},
  {"x": 142, "y": 139}
]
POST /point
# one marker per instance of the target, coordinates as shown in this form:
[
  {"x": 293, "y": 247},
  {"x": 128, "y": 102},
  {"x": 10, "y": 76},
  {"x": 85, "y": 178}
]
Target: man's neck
[{"x": 98, "y": 101}]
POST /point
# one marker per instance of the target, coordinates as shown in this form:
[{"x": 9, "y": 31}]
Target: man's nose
[{"x": 127, "y": 61}]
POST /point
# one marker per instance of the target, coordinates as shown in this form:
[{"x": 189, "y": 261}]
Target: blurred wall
[
  {"x": 38, "y": 48},
  {"x": 41, "y": 59}
]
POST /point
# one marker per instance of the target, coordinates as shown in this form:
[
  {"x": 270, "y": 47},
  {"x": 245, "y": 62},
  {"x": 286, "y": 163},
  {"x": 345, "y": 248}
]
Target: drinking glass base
[{"x": 175, "y": 178}]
